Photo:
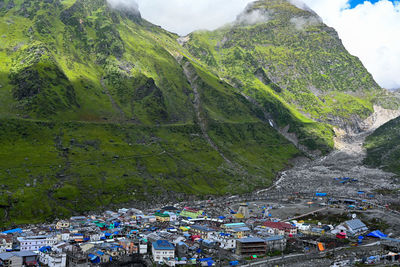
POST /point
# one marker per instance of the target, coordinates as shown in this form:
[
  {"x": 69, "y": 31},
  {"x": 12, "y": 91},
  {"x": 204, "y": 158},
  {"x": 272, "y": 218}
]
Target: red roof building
[{"x": 281, "y": 228}]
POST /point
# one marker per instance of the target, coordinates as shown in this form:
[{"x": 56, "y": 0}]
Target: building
[
  {"x": 240, "y": 232},
  {"x": 162, "y": 217},
  {"x": 162, "y": 249},
  {"x": 355, "y": 227},
  {"x": 6, "y": 243},
  {"x": 251, "y": 246},
  {"x": 281, "y": 228},
  {"x": 203, "y": 231},
  {"x": 62, "y": 225},
  {"x": 276, "y": 242},
  {"x": 52, "y": 259},
  {"x": 192, "y": 213},
  {"x": 244, "y": 210},
  {"x": 226, "y": 241},
  {"x": 36, "y": 242},
  {"x": 18, "y": 259}
]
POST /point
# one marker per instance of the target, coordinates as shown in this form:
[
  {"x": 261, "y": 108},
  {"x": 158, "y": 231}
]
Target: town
[{"x": 268, "y": 230}]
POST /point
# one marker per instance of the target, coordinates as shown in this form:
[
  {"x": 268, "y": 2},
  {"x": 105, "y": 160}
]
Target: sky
[{"x": 369, "y": 29}]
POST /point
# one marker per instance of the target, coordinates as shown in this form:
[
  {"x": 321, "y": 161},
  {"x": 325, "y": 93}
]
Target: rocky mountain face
[
  {"x": 99, "y": 107},
  {"x": 277, "y": 50}
]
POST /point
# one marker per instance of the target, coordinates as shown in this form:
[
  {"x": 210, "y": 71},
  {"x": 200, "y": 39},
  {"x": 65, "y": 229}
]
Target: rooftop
[
  {"x": 251, "y": 240},
  {"x": 163, "y": 245}
]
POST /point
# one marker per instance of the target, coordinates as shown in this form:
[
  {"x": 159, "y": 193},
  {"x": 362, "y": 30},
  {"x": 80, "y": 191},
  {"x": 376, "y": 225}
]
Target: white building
[
  {"x": 227, "y": 241},
  {"x": 52, "y": 259},
  {"x": 36, "y": 242},
  {"x": 162, "y": 249},
  {"x": 6, "y": 243}
]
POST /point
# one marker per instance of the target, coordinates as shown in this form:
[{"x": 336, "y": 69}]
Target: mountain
[
  {"x": 383, "y": 147},
  {"x": 99, "y": 107},
  {"x": 277, "y": 50}
]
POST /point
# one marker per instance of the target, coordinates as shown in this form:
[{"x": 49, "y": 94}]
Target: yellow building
[{"x": 161, "y": 217}]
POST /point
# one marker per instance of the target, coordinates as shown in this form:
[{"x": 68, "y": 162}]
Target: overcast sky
[{"x": 370, "y": 31}]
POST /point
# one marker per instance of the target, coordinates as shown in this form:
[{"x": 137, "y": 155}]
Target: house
[
  {"x": 276, "y": 242},
  {"x": 6, "y": 242},
  {"x": 50, "y": 258},
  {"x": 36, "y": 242},
  {"x": 162, "y": 249},
  {"x": 355, "y": 227},
  {"x": 192, "y": 213},
  {"x": 241, "y": 232},
  {"x": 225, "y": 240},
  {"x": 251, "y": 246},
  {"x": 62, "y": 225},
  {"x": 281, "y": 228},
  {"x": 18, "y": 259},
  {"x": 203, "y": 231},
  {"x": 162, "y": 217}
]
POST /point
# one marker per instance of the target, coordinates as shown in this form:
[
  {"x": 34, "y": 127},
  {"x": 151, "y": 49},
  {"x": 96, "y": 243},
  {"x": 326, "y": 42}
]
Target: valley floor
[{"x": 325, "y": 174}]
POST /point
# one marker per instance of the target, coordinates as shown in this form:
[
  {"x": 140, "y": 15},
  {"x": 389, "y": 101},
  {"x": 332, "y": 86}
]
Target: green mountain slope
[
  {"x": 276, "y": 50},
  {"x": 99, "y": 107},
  {"x": 97, "y": 110},
  {"x": 383, "y": 147}
]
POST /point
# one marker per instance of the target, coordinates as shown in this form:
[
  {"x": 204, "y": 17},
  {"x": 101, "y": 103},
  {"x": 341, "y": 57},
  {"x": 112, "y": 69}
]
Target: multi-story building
[
  {"x": 251, "y": 246},
  {"x": 281, "y": 228},
  {"x": 202, "y": 231},
  {"x": 36, "y": 242},
  {"x": 162, "y": 249}
]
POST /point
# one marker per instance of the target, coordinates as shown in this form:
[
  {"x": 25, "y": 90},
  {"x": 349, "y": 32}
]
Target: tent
[{"x": 377, "y": 234}]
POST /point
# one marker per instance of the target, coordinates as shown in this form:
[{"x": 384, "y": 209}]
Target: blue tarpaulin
[
  {"x": 377, "y": 234},
  {"x": 13, "y": 231},
  {"x": 233, "y": 263},
  {"x": 321, "y": 194}
]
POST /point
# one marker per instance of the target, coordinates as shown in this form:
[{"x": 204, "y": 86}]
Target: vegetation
[
  {"x": 383, "y": 148},
  {"x": 96, "y": 108},
  {"x": 277, "y": 51}
]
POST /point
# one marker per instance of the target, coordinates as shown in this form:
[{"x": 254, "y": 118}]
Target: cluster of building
[{"x": 169, "y": 236}]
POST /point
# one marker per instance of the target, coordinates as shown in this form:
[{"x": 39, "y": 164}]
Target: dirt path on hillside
[{"x": 347, "y": 161}]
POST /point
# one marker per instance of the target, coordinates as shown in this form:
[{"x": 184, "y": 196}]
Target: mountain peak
[{"x": 282, "y": 10}]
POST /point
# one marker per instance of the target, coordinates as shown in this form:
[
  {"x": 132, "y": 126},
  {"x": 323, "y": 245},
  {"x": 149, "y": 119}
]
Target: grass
[
  {"x": 59, "y": 169},
  {"x": 383, "y": 148}
]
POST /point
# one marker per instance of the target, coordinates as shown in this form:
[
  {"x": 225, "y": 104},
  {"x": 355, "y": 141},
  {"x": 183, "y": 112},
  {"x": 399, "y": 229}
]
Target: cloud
[
  {"x": 253, "y": 17},
  {"x": 368, "y": 31},
  {"x": 129, "y": 6},
  {"x": 185, "y": 16},
  {"x": 301, "y": 23}
]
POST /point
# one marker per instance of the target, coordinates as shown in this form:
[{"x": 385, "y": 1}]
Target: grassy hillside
[
  {"x": 96, "y": 111},
  {"x": 50, "y": 170},
  {"x": 276, "y": 50},
  {"x": 99, "y": 107},
  {"x": 383, "y": 147}
]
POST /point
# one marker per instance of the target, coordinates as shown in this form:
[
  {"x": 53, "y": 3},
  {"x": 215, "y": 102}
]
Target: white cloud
[
  {"x": 185, "y": 16},
  {"x": 368, "y": 31},
  {"x": 253, "y": 17},
  {"x": 128, "y": 5}
]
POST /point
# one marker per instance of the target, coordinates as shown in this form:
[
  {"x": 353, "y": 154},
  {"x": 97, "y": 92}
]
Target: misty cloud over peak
[{"x": 129, "y": 6}]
